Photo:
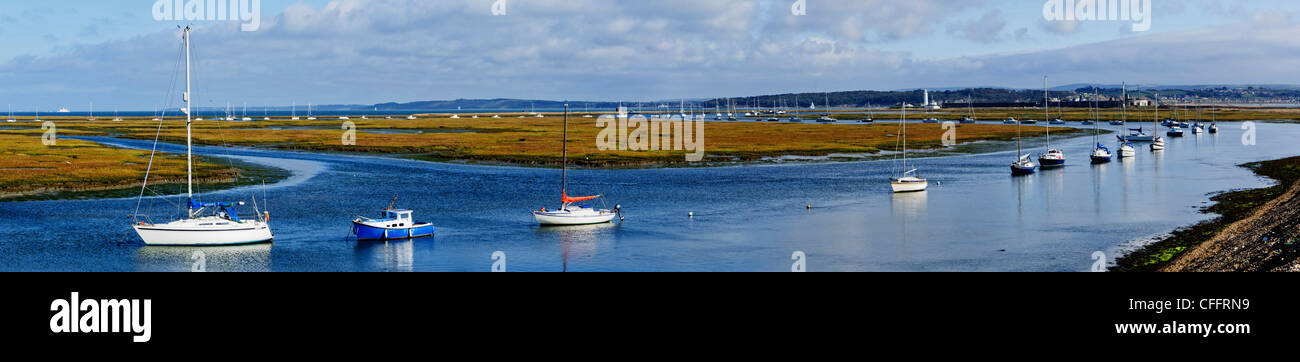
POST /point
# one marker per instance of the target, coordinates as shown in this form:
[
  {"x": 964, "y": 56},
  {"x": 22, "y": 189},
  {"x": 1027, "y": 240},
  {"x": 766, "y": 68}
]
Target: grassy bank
[
  {"x": 536, "y": 141},
  {"x": 1233, "y": 207},
  {"x": 83, "y": 169}
]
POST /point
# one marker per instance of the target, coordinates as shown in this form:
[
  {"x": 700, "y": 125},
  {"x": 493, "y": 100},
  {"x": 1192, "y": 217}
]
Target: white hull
[
  {"x": 205, "y": 231},
  {"x": 573, "y": 218},
  {"x": 901, "y": 187}
]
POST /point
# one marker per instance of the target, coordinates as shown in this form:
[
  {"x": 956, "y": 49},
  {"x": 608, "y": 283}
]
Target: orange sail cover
[{"x": 569, "y": 200}]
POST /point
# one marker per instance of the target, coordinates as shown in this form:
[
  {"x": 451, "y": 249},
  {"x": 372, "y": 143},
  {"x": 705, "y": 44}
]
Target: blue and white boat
[{"x": 394, "y": 224}]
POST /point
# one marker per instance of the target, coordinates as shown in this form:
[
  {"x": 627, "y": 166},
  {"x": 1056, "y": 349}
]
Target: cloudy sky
[{"x": 68, "y": 53}]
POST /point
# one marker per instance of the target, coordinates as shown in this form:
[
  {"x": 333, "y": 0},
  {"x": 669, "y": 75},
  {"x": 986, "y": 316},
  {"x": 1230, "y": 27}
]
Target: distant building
[{"x": 934, "y": 106}]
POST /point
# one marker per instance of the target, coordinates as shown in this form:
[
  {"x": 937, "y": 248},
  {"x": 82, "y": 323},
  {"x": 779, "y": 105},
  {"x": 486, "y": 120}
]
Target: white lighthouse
[{"x": 930, "y": 105}]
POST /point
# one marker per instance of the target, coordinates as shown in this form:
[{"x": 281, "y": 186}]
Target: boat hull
[
  {"x": 238, "y": 234},
  {"x": 904, "y": 187},
  {"x": 1051, "y": 162},
  {"x": 1022, "y": 170},
  {"x": 1100, "y": 159},
  {"x": 562, "y": 219},
  {"x": 369, "y": 232}
]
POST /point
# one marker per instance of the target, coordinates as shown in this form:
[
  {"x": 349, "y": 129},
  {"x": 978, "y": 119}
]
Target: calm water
[{"x": 747, "y": 218}]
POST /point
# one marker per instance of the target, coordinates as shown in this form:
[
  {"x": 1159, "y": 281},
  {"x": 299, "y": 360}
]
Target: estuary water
[{"x": 976, "y": 216}]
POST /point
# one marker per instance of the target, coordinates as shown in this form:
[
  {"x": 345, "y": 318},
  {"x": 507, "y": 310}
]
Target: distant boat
[
  {"x": 92, "y": 112},
  {"x": 11, "y": 114},
  {"x": 570, "y": 213},
  {"x": 293, "y": 113},
  {"x": 1214, "y": 126},
  {"x": 1117, "y": 123},
  {"x": 908, "y": 181},
  {"x": 63, "y": 110},
  {"x": 1011, "y": 120},
  {"x": 1053, "y": 157},
  {"x": 1024, "y": 164},
  {"x": 309, "y": 116},
  {"x": 1030, "y": 121},
  {"x": 1126, "y": 148},
  {"x": 222, "y": 227},
  {"x": 826, "y": 117},
  {"x": 38, "y": 115},
  {"x": 1175, "y": 131},
  {"x": 115, "y": 117},
  {"x": 245, "y": 117},
  {"x": 1101, "y": 154},
  {"x": 410, "y": 116},
  {"x": 393, "y": 224}
]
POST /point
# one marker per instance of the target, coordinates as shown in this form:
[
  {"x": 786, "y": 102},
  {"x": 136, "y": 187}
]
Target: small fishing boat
[
  {"x": 1029, "y": 121},
  {"x": 393, "y": 224},
  {"x": 930, "y": 120},
  {"x": 1011, "y": 120},
  {"x": 1117, "y": 123},
  {"x": 570, "y": 212},
  {"x": 1057, "y": 121}
]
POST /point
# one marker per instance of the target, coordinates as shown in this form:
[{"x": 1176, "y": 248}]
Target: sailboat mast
[
  {"x": 189, "y": 111},
  {"x": 564, "y": 151},
  {"x": 1047, "y": 113},
  {"x": 903, "y": 120}
]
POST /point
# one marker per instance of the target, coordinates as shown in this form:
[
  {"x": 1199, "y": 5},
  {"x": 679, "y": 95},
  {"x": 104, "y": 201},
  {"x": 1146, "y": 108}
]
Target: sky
[{"x": 116, "y": 54}]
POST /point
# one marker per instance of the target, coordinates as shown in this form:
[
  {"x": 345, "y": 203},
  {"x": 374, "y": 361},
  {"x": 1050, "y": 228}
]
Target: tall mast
[
  {"x": 904, "y": 122},
  {"x": 189, "y": 111},
  {"x": 1047, "y": 113},
  {"x": 1124, "y": 107},
  {"x": 564, "y": 151}
]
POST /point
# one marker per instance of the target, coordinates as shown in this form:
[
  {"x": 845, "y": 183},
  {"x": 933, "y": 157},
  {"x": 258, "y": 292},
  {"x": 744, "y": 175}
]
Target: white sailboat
[
  {"x": 309, "y": 116},
  {"x": 570, "y": 212},
  {"x": 293, "y": 112},
  {"x": 38, "y": 115},
  {"x": 1101, "y": 154},
  {"x": 1157, "y": 142},
  {"x": 1053, "y": 157},
  {"x": 115, "y": 117},
  {"x": 1126, "y": 148},
  {"x": 909, "y": 180},
  {"x": 222, "y": 226},
  {"x": 11, "y": 114},
  {"x": 92, "y": 113}
]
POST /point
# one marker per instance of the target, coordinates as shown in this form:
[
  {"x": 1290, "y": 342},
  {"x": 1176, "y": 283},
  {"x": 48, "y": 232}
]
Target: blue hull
[
  {"x": 365, "y": 232},
  {"x": 1021, "y": 171},
  {"x": 1050, "y": 163}
]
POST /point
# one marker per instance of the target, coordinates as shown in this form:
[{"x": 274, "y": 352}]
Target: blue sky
[{"x": 69, "y": 53}]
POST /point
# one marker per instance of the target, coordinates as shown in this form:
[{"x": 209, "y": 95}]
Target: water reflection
[
  {"x": 905, "y": 207},
  {"x": 580, "y": 242},
  {"x": 241, "y": 258},
  {"x": 390, "y": 256}
]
